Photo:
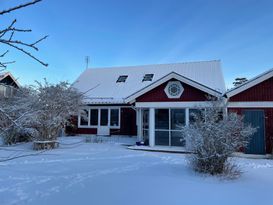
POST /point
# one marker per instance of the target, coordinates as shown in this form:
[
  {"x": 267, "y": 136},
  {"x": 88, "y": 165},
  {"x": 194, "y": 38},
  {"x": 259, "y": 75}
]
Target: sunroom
[{"x": 162, "y": 126}]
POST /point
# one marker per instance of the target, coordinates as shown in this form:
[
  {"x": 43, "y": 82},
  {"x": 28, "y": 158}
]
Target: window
[
  {"x": 84, "y": 117},
  {"x": 178, "y": 118},
  {"x": 99, "y": 116},
  {"x": 94, "y": 113},
  {"x": 162, "y": 119},
  {"x": 148, "y": 77},
  {"x": 104, "y": 117},
  {"x": 122, "y": 78},
  {"x": 168, "y": 123},
  {"x": 114, "y": 117}
]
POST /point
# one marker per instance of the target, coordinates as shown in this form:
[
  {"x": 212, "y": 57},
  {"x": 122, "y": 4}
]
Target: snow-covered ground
[{"x": 108, "y": 173}]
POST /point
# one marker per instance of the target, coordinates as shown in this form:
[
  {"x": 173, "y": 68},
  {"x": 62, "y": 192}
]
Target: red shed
[{"x": 254, "y": 99}]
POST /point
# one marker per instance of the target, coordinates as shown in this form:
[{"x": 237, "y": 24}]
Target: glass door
[
  {"x": 145, "y": 125},
  {"x": 103, "y": 128}
]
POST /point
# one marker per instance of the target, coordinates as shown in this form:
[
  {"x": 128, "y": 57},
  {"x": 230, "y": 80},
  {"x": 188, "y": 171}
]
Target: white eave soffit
[{"x": 166, "y": 78}]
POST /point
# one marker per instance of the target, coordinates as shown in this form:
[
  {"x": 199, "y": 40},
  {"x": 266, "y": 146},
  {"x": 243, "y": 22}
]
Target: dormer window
[
  {"x": 122, "y": 78},
  {"x": 148, "y": 77}
]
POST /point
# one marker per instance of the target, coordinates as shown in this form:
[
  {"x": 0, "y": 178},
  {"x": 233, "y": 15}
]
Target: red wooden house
[
  {"x": 148, "y": 101},
  {"x": 254, "y": 100}
]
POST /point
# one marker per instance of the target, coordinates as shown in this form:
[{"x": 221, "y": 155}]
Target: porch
[{"x": 160, "y": 124}]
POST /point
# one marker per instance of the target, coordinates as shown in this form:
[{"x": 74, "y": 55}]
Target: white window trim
[
  {"x": 99, "y": 111},
  {"x": 171, "y": 130}
]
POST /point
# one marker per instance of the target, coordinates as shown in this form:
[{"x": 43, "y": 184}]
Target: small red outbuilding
[{"x": 254, "y": 100}]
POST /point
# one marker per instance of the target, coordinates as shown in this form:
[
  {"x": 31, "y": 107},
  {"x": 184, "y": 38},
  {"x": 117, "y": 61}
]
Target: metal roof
[{"x": 100, "y": 87}]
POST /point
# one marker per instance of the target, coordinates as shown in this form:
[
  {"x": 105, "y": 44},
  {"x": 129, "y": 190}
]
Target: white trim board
[
  {"x": 252, "y": 82},
  {"x": 168, "y": 77},
  {"x": 196, "y": 104},
  {"x": 264, "y": 104}
]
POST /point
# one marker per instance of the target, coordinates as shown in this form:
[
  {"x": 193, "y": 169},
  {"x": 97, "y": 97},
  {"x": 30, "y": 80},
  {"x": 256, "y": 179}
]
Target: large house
[
  {"x": 153, "y": 101},
  {"x": 149, "y": 101}
]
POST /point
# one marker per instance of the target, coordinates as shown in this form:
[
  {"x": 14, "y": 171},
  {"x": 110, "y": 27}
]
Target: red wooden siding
[
  {"x": 158, "y": 94},
  {"x": 260, "y": 92},
  {"x": 127, "y": 123},
  {"x": 268, "y": 124},
  {"x": 90, "y": 131}
]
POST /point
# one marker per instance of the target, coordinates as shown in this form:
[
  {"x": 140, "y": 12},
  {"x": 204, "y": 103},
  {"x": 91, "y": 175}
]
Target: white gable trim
[
  {"x": 264, "y": 104},
  {"x": 166, "y": 78},
  {"x": 10, "y": 75},
  {"x": 250, "y": 83}
]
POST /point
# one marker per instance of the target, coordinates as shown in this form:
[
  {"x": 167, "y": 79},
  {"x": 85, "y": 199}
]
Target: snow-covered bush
[
  {"x": 55, "y": 104},
  {"x": 40, "y": 111},
  {"x": 14, "y": 135},
  {"x": 212, "y": 137}
]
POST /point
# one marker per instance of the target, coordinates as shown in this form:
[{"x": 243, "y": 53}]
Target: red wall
[
  {"x": 158, "y": 94},
  {"x": 268, "y": 124},
  {"x": 260, "y": 92}
]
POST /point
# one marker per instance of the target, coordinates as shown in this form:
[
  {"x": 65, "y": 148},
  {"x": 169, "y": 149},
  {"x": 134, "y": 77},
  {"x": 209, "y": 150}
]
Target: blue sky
[{"x": 136, "y": 32}]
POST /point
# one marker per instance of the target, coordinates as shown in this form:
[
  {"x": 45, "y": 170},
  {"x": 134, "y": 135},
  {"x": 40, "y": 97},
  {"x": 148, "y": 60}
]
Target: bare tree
[
  {"x": 213, "y": 137},
  {"x": 7, "y": 38}
]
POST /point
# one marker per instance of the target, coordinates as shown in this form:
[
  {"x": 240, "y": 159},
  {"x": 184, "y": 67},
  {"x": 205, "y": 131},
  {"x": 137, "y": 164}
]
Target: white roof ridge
[{"x": 148, "y": 65}]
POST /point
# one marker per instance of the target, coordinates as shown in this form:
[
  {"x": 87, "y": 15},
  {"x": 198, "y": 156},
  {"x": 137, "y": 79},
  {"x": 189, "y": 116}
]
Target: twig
[{"x": 19, "y": 7}]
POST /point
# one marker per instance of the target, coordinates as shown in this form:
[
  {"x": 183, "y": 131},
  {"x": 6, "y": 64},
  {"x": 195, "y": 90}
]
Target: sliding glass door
[{"x": 168, "y": 123}]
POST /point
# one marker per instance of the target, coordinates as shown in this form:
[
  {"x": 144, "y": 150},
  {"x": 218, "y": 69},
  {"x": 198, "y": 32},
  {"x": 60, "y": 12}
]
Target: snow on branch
[
  {"x": 7, "y": 37},
  {"x": 19, "y": 7},
  {"x": 213, "y": 136}
]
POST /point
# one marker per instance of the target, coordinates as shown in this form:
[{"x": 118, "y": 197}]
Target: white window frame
[
  {"x": 109, "y": 108},
  {"x": 170, "y": 130}
]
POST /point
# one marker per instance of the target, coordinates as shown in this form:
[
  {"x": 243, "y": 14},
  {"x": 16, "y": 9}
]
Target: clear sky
[{"x": 136, "y": 32}]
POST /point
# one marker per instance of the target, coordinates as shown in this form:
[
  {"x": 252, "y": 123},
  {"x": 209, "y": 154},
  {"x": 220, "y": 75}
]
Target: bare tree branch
[
  {"x": 19, "y": 7},
  {"x": 25, "y": 52},
  {"x": 7, "y": 37}
]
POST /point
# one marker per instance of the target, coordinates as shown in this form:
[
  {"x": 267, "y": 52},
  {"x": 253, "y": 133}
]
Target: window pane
[
  {"x": 145, "y": 118},
  {"x": 162, "y": 138},
  {"x": 161, "y": 119},
  {"x": 84, "y": 117},
  {"x": 177, "y": 118},
  {"x": 94, "y": 117},
  {"x": 177, "y": 138},
  {"x": 114, "y": 120},
  {"x": 145, "y": 135},
  {"x": 195, "y": 114},
  {"x": 104, "y": 117}
]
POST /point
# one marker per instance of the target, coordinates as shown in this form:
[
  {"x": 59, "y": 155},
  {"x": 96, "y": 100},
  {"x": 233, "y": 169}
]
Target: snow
[
  {"x": 109, "y": 173},
  {"x": 99, "y": 84}
]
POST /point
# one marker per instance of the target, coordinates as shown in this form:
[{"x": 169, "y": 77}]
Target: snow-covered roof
[
  {"x": 3, "y": 75},
  {"x": 100, "y": 87},
  {"x": 250, "y": 83}
]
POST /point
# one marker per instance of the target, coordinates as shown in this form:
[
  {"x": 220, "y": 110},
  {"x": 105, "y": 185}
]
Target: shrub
[{"x": 213, "y": 137}]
